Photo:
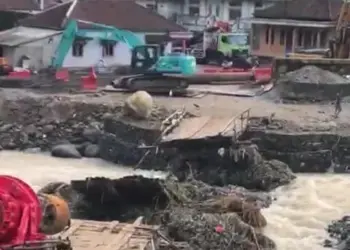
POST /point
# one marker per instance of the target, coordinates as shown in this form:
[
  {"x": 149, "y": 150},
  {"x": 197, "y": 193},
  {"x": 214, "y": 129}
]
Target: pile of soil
[
  {"x": 313, "y": 74},
  {"x": 166, "y": 202},
  {"x": 339, "y": 232}
]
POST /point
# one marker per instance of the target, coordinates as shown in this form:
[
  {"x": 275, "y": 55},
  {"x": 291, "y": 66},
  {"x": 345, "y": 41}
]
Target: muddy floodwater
[
  {"x": 296, "y": 220},
  {"x": 38, "y": 169}
]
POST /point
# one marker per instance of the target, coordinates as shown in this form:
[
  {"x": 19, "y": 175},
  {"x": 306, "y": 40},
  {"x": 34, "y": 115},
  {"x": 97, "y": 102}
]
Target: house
[
  {"x": 37, "y": 37},
  {"x": 195, "y": 14},
  {"x": 288, "y": 26}
]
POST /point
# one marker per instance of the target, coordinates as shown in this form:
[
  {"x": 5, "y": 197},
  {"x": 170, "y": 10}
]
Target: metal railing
[{"x": 240, "y": 124}]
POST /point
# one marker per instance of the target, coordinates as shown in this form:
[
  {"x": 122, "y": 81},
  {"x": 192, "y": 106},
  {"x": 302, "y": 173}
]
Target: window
[
  {"x": 233, "y": 14},
  {"x": 194, "y": 10},
  {"x": 267, "y": 34},
  {"x": 234, "y": 3},
  {"x": 78, "y": 49},
  {"x": 300, "y": 38},
  {"x": 256, "y": 37},
  {"x": 258, "y": 4},
  {"x": 217, "y": 10},
  {"x": 282, "y": 37},
  {"x": 107, "y": 50},
  {"x": 151, "y": 6},
  {"x": 272, "y": 35}
]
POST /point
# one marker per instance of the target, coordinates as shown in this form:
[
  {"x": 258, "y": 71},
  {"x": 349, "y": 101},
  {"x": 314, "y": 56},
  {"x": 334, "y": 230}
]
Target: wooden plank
[
  {"x": 124, "y": 236},
  {"x": 71, "y": 230}
]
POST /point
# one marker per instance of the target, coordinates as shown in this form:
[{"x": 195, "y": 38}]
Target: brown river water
[{"x": 296, "y": 220}]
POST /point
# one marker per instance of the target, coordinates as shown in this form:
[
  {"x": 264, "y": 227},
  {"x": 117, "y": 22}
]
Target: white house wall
[
  {"x": 92, "y": 55},
  {"x": 40, "y": 52}
]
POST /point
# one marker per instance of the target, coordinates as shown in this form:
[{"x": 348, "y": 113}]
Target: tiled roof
[
  {"x": 313, "y": 10},
  {"x": 19, "y": 5},
  {"x": 123, "y": 14}
]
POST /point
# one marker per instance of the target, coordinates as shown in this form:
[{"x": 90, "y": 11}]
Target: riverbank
[
  {"x": 32, "y": 121},
  {"x": 94, "y": 126},
  {"x": 306, "y": 137}
]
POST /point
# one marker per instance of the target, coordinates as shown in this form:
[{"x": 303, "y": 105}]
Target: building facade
[
  {"x": 286, "y": 27},
  {"x": 197, "y": 14}
]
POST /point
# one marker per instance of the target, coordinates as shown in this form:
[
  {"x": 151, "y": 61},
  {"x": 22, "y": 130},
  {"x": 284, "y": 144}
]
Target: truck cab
[{"x": 233, "y": 43}]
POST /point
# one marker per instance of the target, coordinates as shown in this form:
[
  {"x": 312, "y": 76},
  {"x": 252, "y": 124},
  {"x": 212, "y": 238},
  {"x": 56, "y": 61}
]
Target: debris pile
[
  {"x": 242, "y": 166},
  {"x": 166, "y": 202},
  {"x": 339, "y": 232},
  {"x": 209, "y": 231},
  {"x": 313, "y": 74}
]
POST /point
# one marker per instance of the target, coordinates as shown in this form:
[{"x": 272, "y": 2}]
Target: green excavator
[{"x": 160, "y": 72}]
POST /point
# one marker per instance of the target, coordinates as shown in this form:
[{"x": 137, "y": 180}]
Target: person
[{"x": 338, "y": 107}]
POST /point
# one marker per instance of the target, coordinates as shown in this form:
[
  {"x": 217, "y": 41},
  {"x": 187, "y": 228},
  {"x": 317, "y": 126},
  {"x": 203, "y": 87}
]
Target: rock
[
  {"x": 48, "y": 128},
  {"x": 92, "y": 134},
  {"x": 339, "y": 232},
  {"x": 30, "y": 129},
  {"x": 139, "y": 105},
  {"x": 9, "y": 145},
  {"x": 65, "y": 151},
  {"x": 6, "y": 127},
  {"x": 92, "y": 150},
  {"x": 269, "y": 175},
  {"x": 32, "y": 150},
  {"x": 81, "y": 147}
]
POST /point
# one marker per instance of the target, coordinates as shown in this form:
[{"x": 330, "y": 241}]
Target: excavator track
[{"x": 153, "y": 83}]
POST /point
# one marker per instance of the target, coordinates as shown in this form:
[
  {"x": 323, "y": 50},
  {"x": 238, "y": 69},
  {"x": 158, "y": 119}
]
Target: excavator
[
  {"x": 159, "y": 71},
  {"x": 28, "y": 219}
]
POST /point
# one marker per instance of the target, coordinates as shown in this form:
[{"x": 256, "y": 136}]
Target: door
[{"x": 289, "y": 41}]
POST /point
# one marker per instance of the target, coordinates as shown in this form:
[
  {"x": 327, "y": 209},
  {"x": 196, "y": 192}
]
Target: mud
[{"x": 188, "y": 211}]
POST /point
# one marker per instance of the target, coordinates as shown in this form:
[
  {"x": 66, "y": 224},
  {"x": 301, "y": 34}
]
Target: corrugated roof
[{"x": 21, "y": 35}]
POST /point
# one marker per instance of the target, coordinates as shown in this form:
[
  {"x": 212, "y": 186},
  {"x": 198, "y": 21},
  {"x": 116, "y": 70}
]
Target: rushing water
[
  {"x": 296, "y": 220},
  {"x": 302, "y": 211},
  {"x": 38, "y": 169}
]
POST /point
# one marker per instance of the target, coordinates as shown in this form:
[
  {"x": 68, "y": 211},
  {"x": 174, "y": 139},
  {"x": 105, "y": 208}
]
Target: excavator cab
[{"x": 144, "y": 57}]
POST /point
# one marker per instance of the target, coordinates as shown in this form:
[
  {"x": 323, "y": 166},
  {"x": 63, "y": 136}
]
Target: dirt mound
[{"x": 313, "y": 74}]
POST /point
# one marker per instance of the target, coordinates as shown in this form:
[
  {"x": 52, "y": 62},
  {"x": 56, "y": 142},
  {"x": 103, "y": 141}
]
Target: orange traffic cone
[{"x": 89, "y": 82}]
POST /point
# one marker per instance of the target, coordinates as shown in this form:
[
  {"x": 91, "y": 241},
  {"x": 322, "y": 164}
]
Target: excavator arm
[{"x": 106, "y": 32}]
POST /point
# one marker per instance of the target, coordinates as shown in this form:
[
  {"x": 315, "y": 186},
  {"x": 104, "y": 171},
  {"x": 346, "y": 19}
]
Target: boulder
[
  {"x": 92, "y": 150},
  {"x": 92, "y": 134},
  {"x": 65, "y": 151},
  {"x": 138, "y": 105}
]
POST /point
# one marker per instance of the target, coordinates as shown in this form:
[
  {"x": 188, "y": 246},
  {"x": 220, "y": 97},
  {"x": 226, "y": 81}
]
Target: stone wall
[{"x": 304, "y": 152}]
